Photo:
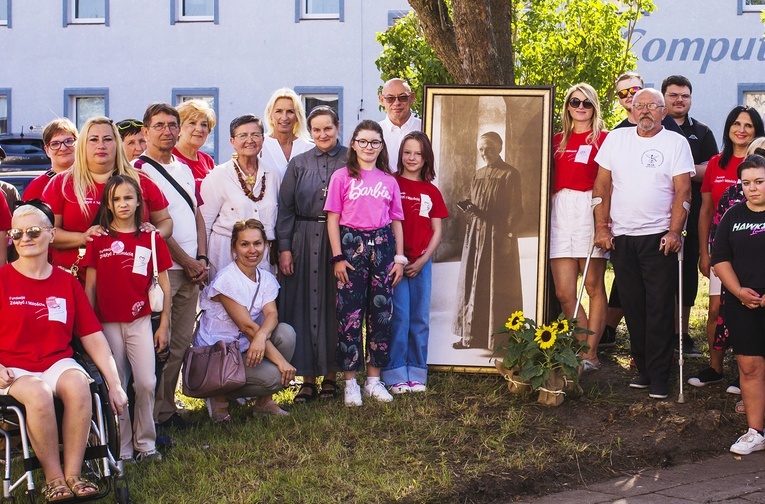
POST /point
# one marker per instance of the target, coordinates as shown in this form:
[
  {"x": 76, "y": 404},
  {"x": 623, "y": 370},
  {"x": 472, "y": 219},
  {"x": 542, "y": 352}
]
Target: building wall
[
  {"x": 716, "y": 44},
  {"x": 254, "y": 47}
]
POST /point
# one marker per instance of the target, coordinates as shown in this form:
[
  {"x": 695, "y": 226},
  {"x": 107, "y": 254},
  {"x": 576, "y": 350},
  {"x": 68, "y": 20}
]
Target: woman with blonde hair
[
  {"x": 286, "y": 130},
  {"x": 197, "y": 121},
  {"x": 572, "y": 225},
  {"x": 59, "y": 138},
  {"x": 75, "y": 195}
]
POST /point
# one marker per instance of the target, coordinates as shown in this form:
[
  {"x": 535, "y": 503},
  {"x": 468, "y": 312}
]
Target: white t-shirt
[
  {"x": 184, "y": 219},
  {"x": 394, "y": 134},
  {"x": 641, "y": 172},
  {"x": 216, "y": 324}
]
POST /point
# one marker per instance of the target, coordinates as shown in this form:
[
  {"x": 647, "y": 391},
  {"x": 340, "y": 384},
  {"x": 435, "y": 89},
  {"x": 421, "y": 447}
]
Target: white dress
[
  {"x": 272, "y": 156},
  {"x": 225, "y": 203}
]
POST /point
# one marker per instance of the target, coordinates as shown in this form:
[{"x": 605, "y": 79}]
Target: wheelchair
[{"x": 101, "y": 462}]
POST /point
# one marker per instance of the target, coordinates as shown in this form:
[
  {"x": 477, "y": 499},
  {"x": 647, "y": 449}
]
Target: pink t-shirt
[{"x": 369, "y": 202}]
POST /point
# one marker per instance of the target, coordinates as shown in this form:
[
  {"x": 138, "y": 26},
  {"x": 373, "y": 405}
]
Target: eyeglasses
[
  {"x": 649, "y": 106},
  {"x": 629, "y": 91},
  {"x": 375, "y": 144},
  {"x": 32, "y": 232},
  {"x": 403, "y": 98},
  {"x": 56, "y": 145},
  {"x": 244, "y": 136},
  {"x": 576, "y": 102},
  {"x": 675, "y": 96},
  {"x": 129, "y": 123},
  {"x": 159, "y": 127}
]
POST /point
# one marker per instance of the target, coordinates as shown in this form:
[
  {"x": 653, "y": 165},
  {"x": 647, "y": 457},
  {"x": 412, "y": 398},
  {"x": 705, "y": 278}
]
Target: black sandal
[
  {"x": 328, "y": 389},
  {"x": 307, "y": 393}
]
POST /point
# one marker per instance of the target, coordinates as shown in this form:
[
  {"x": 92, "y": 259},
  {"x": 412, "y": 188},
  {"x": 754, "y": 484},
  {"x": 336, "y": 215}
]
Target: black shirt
[
  {"x": 667, "y": 122},
  {"x": 740, "y": 240}
]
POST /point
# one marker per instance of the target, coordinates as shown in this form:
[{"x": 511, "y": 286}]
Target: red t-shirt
[
  {"x": 62, "y": 200},
  {"x": 124, "y": 274},
  {"x": 200, "y": 168},
  {"x": 718, "y": 180},
  {"x": 421, "y": 202},
  {"x": 36, "y": 187},
  {"x": 576, "y": 168},
  {"x": 39, "y": 317},
  {"x": 5, "y": 215}
]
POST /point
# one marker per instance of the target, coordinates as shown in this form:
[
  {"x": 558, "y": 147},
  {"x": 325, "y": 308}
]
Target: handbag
[
  {"x": 213, "y": 370},
  {"x": 156, "y": 295}
]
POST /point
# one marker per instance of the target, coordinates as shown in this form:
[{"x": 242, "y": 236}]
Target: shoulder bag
[{"x": 156, "y": 295}]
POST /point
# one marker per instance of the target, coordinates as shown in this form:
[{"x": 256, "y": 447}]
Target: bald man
[{"x": 397, "y": 98}]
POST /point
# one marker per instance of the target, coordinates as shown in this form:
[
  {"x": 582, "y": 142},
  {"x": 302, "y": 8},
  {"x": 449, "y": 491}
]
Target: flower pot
[
  {"x": 513, "y": 377},
  {"x": 551, "y": 392}
]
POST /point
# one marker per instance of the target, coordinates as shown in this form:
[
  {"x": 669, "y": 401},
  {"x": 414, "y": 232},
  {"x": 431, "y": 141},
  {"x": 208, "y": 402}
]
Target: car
[
  {"x": 24, "y": 151},
  {"x": 20, "y": 178}
]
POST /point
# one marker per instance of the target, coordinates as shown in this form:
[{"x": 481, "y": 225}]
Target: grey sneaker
[
  {"x": 377, "y": 390},
  {"x": 148, "y": 456},
  {"x": 750, "y": 442},
  {"x": 352, "y": 394}
]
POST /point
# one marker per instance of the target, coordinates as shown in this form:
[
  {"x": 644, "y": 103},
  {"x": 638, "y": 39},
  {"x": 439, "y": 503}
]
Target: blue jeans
[{"x": 411, "y": 328}]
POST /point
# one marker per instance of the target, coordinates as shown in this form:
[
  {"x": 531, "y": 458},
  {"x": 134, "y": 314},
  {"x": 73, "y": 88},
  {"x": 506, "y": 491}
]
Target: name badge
[
  {"x": 583, "y": 154},
  {"x": 426, "y": 205},
  {"x": 56, "y": 309},
  {"x": 141, "y": 260}
]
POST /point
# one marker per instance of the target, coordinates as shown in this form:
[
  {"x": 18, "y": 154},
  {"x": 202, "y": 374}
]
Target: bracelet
[
  {"x": 336, "y": 259},
  {"x": 204, "y": 258},
  {"x": 400, "y": 259}
]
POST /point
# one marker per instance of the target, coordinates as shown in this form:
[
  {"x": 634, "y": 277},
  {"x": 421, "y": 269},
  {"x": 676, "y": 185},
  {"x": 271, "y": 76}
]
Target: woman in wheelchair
[{"x": 41, "y": 307}]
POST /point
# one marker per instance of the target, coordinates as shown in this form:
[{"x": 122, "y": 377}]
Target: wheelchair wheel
[{"x": 122, "y": 494}]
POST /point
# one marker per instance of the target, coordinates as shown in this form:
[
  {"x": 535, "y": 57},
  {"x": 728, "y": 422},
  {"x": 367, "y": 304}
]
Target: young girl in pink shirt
[
  {"x": 364, "y": 226},
  {"x": 119, "y": 273}
]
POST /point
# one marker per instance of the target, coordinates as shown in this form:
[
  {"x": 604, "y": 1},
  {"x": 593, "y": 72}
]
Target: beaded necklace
[{"x": 251, "y": 182}]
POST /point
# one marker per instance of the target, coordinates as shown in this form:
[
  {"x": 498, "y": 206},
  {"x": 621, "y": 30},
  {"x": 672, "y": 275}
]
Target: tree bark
[{"x": 476, "y": 48}]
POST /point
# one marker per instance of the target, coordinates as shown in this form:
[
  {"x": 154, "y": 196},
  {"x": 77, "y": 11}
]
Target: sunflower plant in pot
[{"x": 543, "y": 357}]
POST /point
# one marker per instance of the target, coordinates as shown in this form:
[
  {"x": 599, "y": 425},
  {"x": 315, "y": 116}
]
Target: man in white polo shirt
[
  {"x": 161, "y": 125},
  {"x": 397, "y": 98},
  {"x": 649, "y": 170}
]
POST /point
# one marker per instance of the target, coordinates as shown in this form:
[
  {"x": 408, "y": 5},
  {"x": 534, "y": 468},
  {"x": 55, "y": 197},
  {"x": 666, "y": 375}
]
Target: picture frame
[{"x": 493, "y": 257}]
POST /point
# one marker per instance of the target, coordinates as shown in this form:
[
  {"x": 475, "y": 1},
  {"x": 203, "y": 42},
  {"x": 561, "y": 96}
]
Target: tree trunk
[{"x": 476, "y": 47}]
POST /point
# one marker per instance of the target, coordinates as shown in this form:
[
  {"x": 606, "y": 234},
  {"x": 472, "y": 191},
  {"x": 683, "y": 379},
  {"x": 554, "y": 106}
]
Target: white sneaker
[
  {"x": 750, "y": 442},
  {"x": 377, "y": 390},
  {"x": 352, "y": 393},
  {"x": 416, "y": 386},
  {"x": 400, "y": 388}
]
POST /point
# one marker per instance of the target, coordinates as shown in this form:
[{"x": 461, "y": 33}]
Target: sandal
[
  {"x": 307, "y": 393},
  {"x": 270, "y": 409},
  {"x": 56, "y": 490},
  {"x": 328, "y": 389},
  {"x": 81, "y": 487},
  {"x": 218, "y": 410}
]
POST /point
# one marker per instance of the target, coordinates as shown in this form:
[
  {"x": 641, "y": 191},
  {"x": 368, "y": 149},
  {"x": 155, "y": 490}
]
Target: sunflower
[
  {"x": 560, "y": 326},
  {"x": 515, "y": 321},
  {"x": 545, "y": 336}
]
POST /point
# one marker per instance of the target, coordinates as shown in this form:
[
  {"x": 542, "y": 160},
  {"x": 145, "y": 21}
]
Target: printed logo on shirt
[
  {"x": 53, "y": 308},
  {"x": 652, "y": 159},
  {"x": 379, "y": 191},
  {"x": 136, "y": 308},
  {"x": 755, "y": 228},
  {"x": 56, "y": 309}
]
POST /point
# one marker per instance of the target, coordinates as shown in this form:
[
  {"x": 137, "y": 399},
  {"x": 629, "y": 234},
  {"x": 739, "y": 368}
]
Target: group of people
[
  {"x": 637, "y": 195},
  {"x": 135, "y": 205}
]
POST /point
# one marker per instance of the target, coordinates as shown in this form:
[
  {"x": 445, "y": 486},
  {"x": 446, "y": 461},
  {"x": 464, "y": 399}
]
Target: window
[
  {"x": 751, "y": 6},
  {"x": 395, "y": 15},
  {"x": 5, "y": 13},
  {"x": 185, "y": 11},
  {"x": 319, "y": 9},
  {"x": 210, "y": 95},
  {"x": 82, "y": 104},
  {"x": 331, "y": 96},
  {"x": 5, "y": 110},
  {"x": 86, "y": 12},
  {"x": 752, "y": 95}
]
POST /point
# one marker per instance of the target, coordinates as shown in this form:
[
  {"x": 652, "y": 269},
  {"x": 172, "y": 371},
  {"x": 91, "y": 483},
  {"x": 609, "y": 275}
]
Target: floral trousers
[{"x": 369, "y": 292}]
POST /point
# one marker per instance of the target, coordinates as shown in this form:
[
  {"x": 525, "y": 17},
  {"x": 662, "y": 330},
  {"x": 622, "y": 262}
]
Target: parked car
[
  {"x": 19, "y": 178},
  {"x": 24, "y": 151}
]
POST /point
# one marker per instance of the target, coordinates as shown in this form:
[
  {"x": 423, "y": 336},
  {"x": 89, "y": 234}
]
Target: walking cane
[
  {"x": 595, "y": 202},
  {"x": 687, "y": 207}
]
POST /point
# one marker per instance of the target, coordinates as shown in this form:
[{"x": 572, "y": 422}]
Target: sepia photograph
[{"x": 492, "y": 152}]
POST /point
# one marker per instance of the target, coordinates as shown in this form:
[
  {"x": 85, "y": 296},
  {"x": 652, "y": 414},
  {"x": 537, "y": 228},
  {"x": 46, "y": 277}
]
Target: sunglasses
[
  {"x": 628, "y": 92},
  {"x": 128, "y": 123},
  {"x": 403, "y": 98},
  {"x": 576, "y": 102},
  {"x": 32, "y": 232}
]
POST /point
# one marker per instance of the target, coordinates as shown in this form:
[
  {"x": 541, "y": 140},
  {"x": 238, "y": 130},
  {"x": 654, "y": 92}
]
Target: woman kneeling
[{"x": 239, "y": 295}]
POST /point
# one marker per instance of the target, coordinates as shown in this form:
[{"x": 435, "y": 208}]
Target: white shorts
[
  {"x": 50, "y": 376},
  {"x": 715, "y": 285},
  {"x": 572, "y": 226}
]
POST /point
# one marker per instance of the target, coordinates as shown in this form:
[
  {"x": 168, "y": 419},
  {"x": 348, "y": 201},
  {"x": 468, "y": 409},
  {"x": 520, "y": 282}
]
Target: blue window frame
[
  {"x": 319, "y": 9},
  {"x": 193, "y": 11},
  {"x": 86, "y": 12},
  {"x": 753, "y": 95},
  {"x": 80, "y": 104},
  {"x": 749, "y": 6},
  {"x": 5, "y": 13},
  {"x": 5, "y": 110},
  {"x": 211, "y": 96},
  {"x": 313, "y": 96}
]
